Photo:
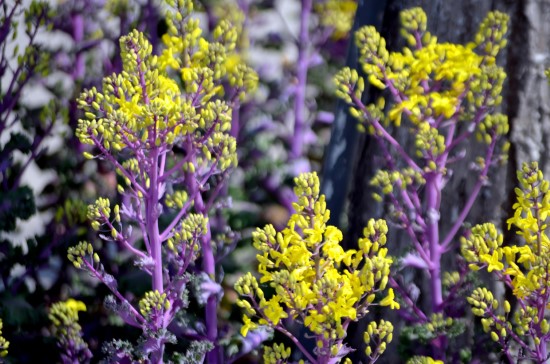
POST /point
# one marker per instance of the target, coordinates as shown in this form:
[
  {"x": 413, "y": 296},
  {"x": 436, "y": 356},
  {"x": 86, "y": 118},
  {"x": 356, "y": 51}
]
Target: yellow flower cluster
[
  {"x": 430, "y": 82},
  {"x": 315, "y": 281},
  {"x": 143, "y": 108},
  {"x": 78, "y": 253},
  {"x": 63, "y": 314},
  {"x": 64, "y": 317},
  {"x": 423, "y": 360},
  {"x": 200, "y": 60},
  {"x": 525, "y": 268},
  {"x": 187, "y": 236},
  {"x": 336, "y": 14},
  {"x": 100, "y": 212},
  {"x": 4, "y": 344}
]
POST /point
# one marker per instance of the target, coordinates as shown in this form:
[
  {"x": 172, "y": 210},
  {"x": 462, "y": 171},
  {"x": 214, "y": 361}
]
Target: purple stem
[
  {"x": 113, "y": 160},
  {"x": 471, "y": 199},
  {"x": 433, "y": 201},
  {"x": 301, "y": 74},
  {"x": 151, "y": 223},
  {"x": 209, "y": 267},
  {"x": 235, "y": 122},
  {"x": 384, "y": 133},
  {"x": 408, "y": 300},
  {"x": 12, "y": 95},
  {"x": 297, "y": 343},
  {"x": 121, "y": 239},
  {"x": 409, "y": 206},
  {"x": 77, "y": 21},
  {"x": 121, "y": 298},
  {"x": 167, "y": 233}
]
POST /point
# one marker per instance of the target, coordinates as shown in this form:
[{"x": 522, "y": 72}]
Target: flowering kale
[{"x": 316, "y": 282}]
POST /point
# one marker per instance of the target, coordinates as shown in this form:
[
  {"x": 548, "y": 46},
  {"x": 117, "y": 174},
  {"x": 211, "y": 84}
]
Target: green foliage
[{"x": 16, "y": 204}]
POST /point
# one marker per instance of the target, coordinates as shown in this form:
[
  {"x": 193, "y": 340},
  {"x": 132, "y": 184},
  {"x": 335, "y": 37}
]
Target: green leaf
[{"x": 18, "y": 204}]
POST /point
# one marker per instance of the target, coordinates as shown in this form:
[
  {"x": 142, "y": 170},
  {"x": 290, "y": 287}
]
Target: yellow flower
[
  {"x": 274, "y": 311},
  {"x": 247, "y": 326},
  {"x": 75, "y": 305},
  {"x": 389, "y": 300},
  {"x": 493, "y": 261}
]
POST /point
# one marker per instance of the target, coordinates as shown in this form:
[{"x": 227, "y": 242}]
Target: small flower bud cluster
[
  {"x": 348, "y": 79},
  {"x": 414, "y": 27},
  {"x": 492, "y": 126},
  {"x": 377, "y": 336},
  {"x": 315, "y": 281},
  {"x": 64, "y": 317},
  {"x": 276, "y": 354},
  {"x": 79, "y": 253},
  {"x": 490, "y": 38},
  {"x": 186, "y": 239},
  {"x": 373, "y": 54},
  {"x": 386, "y": 180},
  {"x": 99, "y": 214},
  {"x": 438, "y": 324},
  {"x": 153, "y": 305}
]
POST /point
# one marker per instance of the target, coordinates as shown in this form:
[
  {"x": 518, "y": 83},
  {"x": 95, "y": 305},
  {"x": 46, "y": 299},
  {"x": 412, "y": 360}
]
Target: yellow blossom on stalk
[
  {"x": 67, "y": 330},
  {"x": 314, "y": 279},
  {"x": 524, "y": 267},
  {"x": 429, "y": 81},
  {"x": 144, "y": 107},
  {"x": 423, "y": 360},
  {"x": 336, "y": 14},
  {"x": 389, "y": 300}
]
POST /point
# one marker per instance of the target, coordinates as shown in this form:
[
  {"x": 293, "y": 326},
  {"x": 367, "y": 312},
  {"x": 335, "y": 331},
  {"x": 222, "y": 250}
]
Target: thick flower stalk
[
  {"x": 316, "y": 283},
  {"x": 64, "y": 317},
  {"x": 523, "y": 267},
  {"x": 164, "y": 127},
  {"x": 335, "y": 19},
  {"x": 445, "y": 93}
]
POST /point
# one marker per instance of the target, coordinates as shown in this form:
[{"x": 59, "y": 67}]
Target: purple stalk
[
  {"x": 471, "y": 199},
  {"x": 209, "y": 267},
  {"x": 151, "y": 222},
  {"x": 301, "y": 74},
  {"x": 297, "y": 343},
  {"x": 77, "y": 21},
  {"x": 384, "y": 133},
  {"x": 121, "y": 298},
  {"x": 433, "y": 202}
]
